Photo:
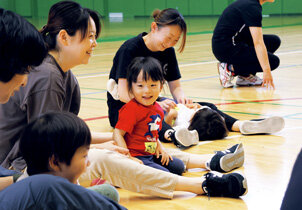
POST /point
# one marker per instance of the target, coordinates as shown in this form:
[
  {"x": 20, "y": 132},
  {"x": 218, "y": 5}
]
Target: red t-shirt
[{"x": 142, "y": 124}]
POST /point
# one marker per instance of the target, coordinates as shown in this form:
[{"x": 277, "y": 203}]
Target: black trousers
[
  {"x": 292, "y": 198},
  {"x": 243, "y": 55},
  {"x": 229, "y": 121}
]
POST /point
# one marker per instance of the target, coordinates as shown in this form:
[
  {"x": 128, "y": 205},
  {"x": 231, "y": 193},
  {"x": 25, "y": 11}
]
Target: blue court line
[
  {"x": 92, "y": 88},
  {"x": 289, "y": 66},
  {"x": 293, "y": 115},
  {"x": 192, "y": 62},
  {"x": 90, "y": 93},
  {"x": 295, "y": 118}
]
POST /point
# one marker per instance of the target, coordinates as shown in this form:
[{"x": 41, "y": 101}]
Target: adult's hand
[
  {"x": 262, "y": 56},
  {"x": 268, "y": 80},
  {"x": 177, "y": 92},
  {"x": 184, "y": 100},
  {"x": 167, "y": 104}
]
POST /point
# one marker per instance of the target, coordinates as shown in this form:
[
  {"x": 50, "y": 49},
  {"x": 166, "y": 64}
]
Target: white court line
[
  {"x": 233, "y": 137},
  {"x": 200, "y": 63},
  {"x": 204, "y": 142},
  {"x": 189, "y": 64},
  {"x": 96, "y": 75},
  {"x": 292, "y": 128},
  {"x": 289, "y": 53}
]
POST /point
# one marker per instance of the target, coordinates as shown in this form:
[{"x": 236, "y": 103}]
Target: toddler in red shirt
[{"x": 140, "y": 119}]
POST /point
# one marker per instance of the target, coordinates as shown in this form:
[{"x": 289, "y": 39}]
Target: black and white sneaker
[
  {"x": 227, "y": 160},
  {"x": 184, "y": 138},
  {"x": 268, "y": 125},
  {"x": 225, "y": 185}
]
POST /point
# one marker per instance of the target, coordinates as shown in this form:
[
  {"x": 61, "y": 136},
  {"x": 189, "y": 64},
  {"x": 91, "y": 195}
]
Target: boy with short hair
[{"x": 56, "y": 144}]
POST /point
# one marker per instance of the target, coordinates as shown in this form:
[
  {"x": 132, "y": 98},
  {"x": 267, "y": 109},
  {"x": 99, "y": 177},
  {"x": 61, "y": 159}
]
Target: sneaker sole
[
  {"x": 233, "y": 160},
  {"x": 268, "y": 125},
  {"x": 220, "y": 79},
  {"x": 186, "y": 138},
  {"x": 248, "y": 85}
]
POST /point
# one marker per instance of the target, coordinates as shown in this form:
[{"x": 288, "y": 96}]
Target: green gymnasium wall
[{"x": 136, "y": 8}]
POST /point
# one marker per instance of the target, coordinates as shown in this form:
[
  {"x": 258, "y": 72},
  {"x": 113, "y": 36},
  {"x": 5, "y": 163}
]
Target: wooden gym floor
[{"x": 268, "y": 158}]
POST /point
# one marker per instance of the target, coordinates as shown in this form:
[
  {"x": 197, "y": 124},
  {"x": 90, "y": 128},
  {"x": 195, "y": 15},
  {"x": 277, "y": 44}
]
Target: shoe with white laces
[
  {"x": 227, "y": 185},
  {"x": 227, "y": 160},
  {"x": 112, "y": 89},
  {"x": 251, "y": 80},
  {"x": 183, "y": 137},
  {"x": 225, "y": 75},
  {"x": 269, "y": 125}
]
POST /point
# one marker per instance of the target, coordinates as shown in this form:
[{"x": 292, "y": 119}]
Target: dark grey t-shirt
[{"x": 48, "y": 89}]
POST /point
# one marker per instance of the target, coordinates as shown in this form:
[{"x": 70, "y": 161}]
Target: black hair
[
  {"x": 70, "y": 16},
  {"x": 150, "y": 67},
  {"x": 21, "y": 45},
  {"x": 53, "y": 134},
  {"x": 168, "y": 17},
  {"x": 209, "y": 125}
]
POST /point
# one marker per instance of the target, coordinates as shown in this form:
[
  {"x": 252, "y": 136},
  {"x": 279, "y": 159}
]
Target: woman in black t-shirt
[
  {"x": 240, "y": 46},
  {"x": 166, "y": 30}
]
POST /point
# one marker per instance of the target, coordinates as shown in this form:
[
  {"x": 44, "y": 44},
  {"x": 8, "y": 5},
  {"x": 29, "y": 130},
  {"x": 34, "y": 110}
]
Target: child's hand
[{"x": 165, "y": 157}]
